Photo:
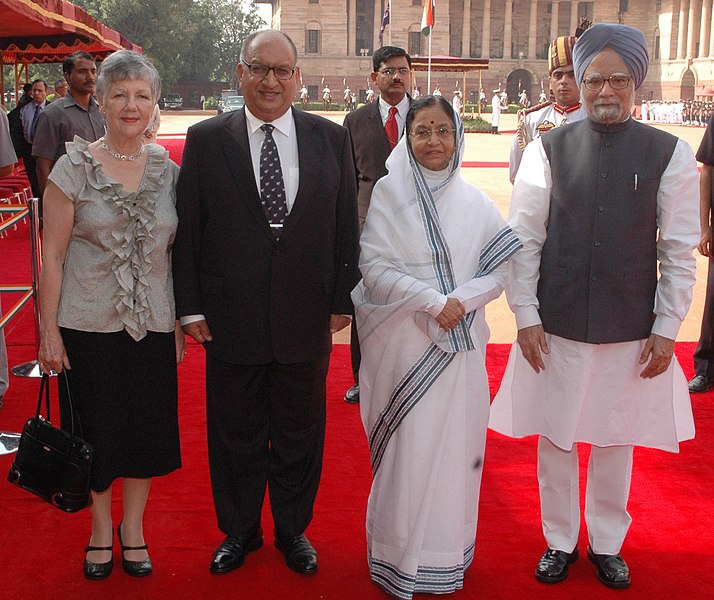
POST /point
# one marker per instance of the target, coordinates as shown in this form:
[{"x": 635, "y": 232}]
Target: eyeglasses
[
  {"x": 424, "y": 134},
  {"x": 618, "y": 81},
  {"x": 258, "y": 70},
  {"x": 389, "y": 72}
]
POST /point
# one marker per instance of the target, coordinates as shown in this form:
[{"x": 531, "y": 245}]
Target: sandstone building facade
[{"x": 336, "y": 38}]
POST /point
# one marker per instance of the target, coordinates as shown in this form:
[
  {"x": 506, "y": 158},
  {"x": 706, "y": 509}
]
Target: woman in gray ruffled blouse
[{"x": 106, "y": 300}]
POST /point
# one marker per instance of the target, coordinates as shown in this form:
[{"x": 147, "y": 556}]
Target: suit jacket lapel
[
  {"x": 237, "y": 152},
  {"x": 309, "y": 166}
]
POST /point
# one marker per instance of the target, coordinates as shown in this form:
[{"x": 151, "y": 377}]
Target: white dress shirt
[{"x": 401, "y": 116}]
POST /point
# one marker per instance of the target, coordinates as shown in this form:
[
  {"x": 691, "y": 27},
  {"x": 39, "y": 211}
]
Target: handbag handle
[{"x": 45, "y": 387}]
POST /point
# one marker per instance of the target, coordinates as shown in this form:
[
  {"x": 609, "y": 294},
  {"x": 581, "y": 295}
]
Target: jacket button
[{"x": 594, "y": 278}]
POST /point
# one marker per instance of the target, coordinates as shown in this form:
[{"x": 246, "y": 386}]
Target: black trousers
[
  {"x": 704, "y": 354},
  {"x": 266, "y": 426}
]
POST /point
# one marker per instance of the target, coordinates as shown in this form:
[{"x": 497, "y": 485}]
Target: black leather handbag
[{"x": 52, "y": 463}]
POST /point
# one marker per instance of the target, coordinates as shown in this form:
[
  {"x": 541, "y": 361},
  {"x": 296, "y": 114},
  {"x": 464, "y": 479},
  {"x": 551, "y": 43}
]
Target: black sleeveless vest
[{"x": 598, "y": 272}]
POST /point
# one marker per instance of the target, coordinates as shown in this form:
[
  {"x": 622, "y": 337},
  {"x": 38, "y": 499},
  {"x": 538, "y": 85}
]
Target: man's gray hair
[{"x": 126, "y": 64}]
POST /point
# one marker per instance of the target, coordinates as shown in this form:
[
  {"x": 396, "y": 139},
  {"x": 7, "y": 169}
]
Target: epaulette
[{"x": 521, "y": 128}]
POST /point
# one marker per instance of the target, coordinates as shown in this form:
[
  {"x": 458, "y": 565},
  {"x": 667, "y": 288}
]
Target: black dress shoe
[
  {"x": 135, "y": 568},
  {"x": 300, "y": 556},
  {"x": 612, "y": 570},
  {"x": 231, "y": 553},
  {"x": 699, "y": 384},
  {"x": 553, "y": 565},
  {"x": 352, "y": 395},
  {"x": 98, "y": 571}
]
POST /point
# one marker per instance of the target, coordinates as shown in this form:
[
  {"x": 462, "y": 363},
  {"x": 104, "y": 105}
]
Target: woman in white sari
[{"x": 432, "y": 256}]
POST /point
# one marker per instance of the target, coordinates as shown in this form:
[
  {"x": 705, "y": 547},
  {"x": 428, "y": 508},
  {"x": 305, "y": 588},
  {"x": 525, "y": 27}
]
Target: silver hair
[{"x": 123, "y": 65}]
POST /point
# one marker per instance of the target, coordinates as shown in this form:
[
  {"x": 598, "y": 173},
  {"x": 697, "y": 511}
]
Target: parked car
[
  {"x": 233, "y": 103},
  {"x": 222, "y": 100},
  {"x": 173, "y": 102}
]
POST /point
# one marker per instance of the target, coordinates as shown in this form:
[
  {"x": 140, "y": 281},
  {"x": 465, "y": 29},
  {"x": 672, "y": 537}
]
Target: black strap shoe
[
  {"x": 553, "y": 565},
  {"x": 612, "y": 570},
  {"x": 231, "y": 553},
  {"x": 300, "y": 556},
  {"x": 98, "y": 571},
  {"x": 135, "y": 568}
]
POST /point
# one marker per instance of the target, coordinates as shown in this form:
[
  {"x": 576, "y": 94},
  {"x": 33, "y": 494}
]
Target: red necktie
[{"x": 391, "y": 128}]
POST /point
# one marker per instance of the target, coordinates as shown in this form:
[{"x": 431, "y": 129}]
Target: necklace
[{"x": 118, "y": 155}]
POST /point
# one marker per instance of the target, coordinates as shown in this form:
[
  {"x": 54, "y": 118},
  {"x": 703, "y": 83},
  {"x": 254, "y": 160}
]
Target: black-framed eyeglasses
[
  {"x": 423, "y": 134},
  {"x": 258, "y": 70},
  {"x": 390, "y": 72},
  {"x": 617, "y": 81}
]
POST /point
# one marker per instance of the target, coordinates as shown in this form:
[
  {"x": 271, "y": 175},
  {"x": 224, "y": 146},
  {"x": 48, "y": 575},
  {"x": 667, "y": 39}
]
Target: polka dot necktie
[
  {"x": 391, "y": 128},
  {"x": 272, "y": 186}
]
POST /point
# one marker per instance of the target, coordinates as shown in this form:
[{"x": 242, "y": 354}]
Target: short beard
[{"x": 606, "y": 114}]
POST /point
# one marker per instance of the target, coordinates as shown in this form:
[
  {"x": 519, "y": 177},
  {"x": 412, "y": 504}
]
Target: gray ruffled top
[{"x": 117, "y": 272}]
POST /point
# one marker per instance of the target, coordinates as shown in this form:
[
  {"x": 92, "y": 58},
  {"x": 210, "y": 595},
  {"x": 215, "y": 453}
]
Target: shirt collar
[
  {"x": 284, "y": 124},
  {"x": 69, "y": 100},
  {"x": 402, "y": 107},
  {"x": 566, "y": 109}
]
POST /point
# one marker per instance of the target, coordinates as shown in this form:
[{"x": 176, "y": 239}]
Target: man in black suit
[
  {"x": 370, "y": 129},
  {"x": 264, "y": 262}
]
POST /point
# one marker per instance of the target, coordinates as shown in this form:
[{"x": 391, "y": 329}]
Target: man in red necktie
[{"x": 375, "y": 129}]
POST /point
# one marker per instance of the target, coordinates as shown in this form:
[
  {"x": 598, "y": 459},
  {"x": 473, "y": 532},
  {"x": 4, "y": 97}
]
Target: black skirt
[{"x": 126, "y": 394}]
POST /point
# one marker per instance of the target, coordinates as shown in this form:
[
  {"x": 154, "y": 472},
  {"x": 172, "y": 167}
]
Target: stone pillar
[
  {"x": 573, "y": 16},
  {"x": 706, "y": 28},
  {"x": 692, "y": 29},
  {"x": 486, "y": 35},
  {"x": 554, "y": 5},
  {"x": 466, "y": 31},
  {"x": 507, "y": 27},
  {"x": 532, "y": 29},
  {"x": 682, "y": 31},
  {"x": 711, "y": 32},
  {"x": 352, "y": 28}
]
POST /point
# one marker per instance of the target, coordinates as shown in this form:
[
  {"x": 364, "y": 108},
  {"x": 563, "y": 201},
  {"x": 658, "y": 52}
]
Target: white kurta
[
  {"x": 427, "y": 445},
  {"x": 588, "y": 392}
]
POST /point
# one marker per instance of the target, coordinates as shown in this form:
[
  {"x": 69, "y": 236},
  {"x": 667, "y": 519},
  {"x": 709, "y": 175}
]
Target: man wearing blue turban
[{"x": 601, "y": 206}]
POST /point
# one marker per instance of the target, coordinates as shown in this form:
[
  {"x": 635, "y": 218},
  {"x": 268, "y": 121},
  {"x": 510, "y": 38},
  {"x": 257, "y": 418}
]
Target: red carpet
[{"x": 670, "y": 547}]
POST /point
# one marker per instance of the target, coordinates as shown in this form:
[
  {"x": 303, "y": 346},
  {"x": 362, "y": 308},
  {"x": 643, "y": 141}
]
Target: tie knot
[
  {"x": 392, "y": 111},
  {"x": 267, "y": 128}
]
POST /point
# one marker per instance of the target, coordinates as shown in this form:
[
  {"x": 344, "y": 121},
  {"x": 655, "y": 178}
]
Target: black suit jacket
[
  {"x": 370, "y": 148},
  {"x": 264, "y": 299}
]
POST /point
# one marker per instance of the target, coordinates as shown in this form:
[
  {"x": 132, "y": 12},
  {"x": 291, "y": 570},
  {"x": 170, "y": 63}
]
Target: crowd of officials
[{"x": 282, "y": 228}]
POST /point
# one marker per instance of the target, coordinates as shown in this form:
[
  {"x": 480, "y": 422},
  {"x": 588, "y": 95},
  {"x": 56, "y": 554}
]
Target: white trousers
[{"x": 608, "y": 488}]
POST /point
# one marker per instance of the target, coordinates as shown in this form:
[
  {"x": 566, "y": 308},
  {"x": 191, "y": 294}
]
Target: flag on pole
[
  {"x": 385, "y": 22},
  {"x": 427, "y": 19}
]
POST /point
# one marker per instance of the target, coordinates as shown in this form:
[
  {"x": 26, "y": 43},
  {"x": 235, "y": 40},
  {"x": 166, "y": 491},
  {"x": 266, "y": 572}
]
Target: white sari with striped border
[{"x": 424, "y": 393}]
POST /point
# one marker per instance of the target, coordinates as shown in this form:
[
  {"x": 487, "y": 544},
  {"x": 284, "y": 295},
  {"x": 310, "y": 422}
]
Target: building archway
[
  {"x": 687, "y": 85},
  {"x": 520, "y": 79}
]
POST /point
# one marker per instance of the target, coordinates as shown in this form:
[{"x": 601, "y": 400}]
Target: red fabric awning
[
  {"x": 37, "y": 31},
  {"x": 447, "y": 64}
]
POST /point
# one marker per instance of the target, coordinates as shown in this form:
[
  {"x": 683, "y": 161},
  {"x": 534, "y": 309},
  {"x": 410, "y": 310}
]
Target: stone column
[
  {"x": 507, "y": 27},
  {"x": 352, "y": 28},
  {"x": 532, "y": 29},
  {"x": 692, "y": 29},
  {"x": 711, "y": 32},
  {"x": 573, "y": 16},
  {"x": 706, "y": 28},
  {"x": 682, "y": 31},
  {"x": 486, "y": 35},
  {"x": 554, "y": 5},
  {"x": 466, "y": 31}
]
